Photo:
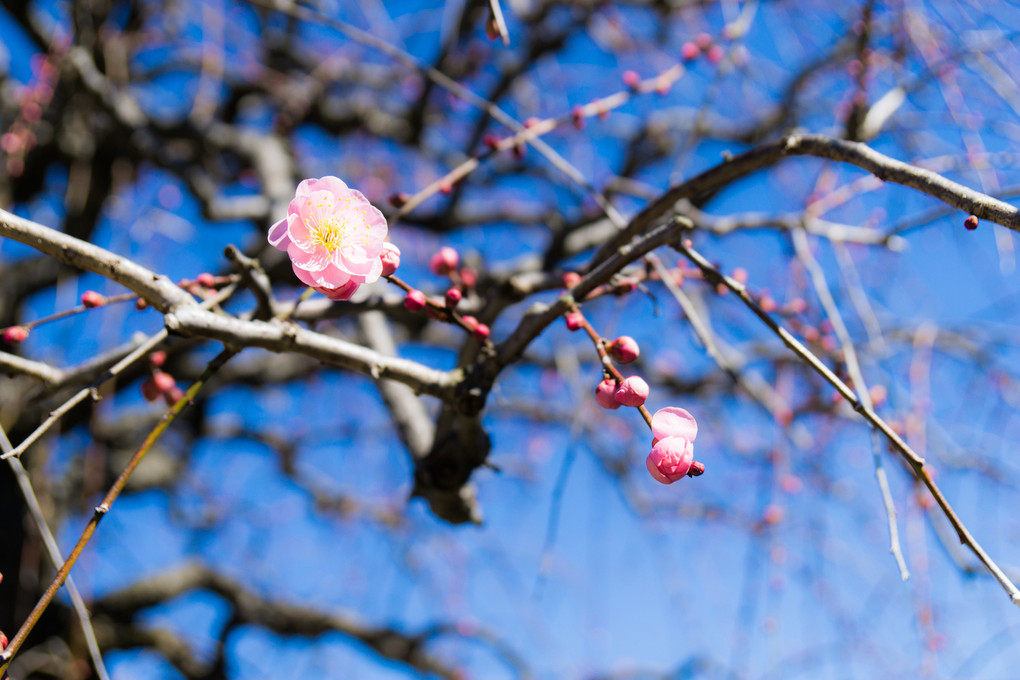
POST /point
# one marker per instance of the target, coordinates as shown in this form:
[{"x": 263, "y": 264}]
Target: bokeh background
[{"x": 271, "y": 532}]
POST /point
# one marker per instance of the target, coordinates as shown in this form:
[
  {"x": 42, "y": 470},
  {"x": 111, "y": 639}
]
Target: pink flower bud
[
  {"x": 470, "y": 322},
  {"x": 3, "y": 640},
  {"x": 689, "y": 51},
  {"x": 767, "y": 303},
  {"x": 631, "y": 79},
  {"x": 444, "y": 261},
  {"x": 697, "y": 469},
  {"x": 468, "y": 277},
  {"x": 715, "y": 54},
  {"x": 604, "y": 394},
  {"x": 390, "y": 258},
  {"x": 703, "y": 40},
  {"x": 141, "y": 304},
  {"x": 971, "y": 222},
  {"x": 91, "y": 299},
  {"x": 739, "y": 275},
  {"x": 624, "y": 349},
  {"x": 206, "y": 280},
  {"x": 414, "y": 300},
  {"x": 491, "y": 141},
  {"x": 453, "y": 297},
  {"x": 149, "y": 390},
  {"x": 15, "y": 334},
  {"x": 164, "y": 382},
  {"x": 481, "y": 332},
  {"x": 571, "y": 279},
  {"x": 633, "y": 391},
  {"x": 446, "y": 188},
  {"x": 157, "y": 358},
  {"x": 575, "y": 321},
  {"x": 531, "y": 122}
]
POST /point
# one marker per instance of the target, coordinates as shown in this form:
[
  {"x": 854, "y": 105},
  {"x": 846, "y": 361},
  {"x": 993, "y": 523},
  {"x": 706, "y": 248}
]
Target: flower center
[{"x": 330, "y": 233}]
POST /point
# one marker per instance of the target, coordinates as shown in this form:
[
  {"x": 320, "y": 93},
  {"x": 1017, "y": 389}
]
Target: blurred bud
[
  {"x": 15, "y": 334},
  {"x": 624, "y": 349},
  {"x": 453, "y": 297},
  {"x": 445, "y": 261},
  {"x": 414, "y": 300},
  {"x": 91, "y": 299}
]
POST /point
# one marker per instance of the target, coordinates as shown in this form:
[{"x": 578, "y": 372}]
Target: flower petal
[
  {"x": 313, "y": 261},
  {"x": 674, "y": 422},
  {"x": 278, "y": 237},
  {"x": 329, "y": 183}
]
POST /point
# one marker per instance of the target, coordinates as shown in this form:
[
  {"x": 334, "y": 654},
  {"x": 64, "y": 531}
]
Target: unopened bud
[
  {"x": 444, "y": 261},
  {"x": 390, "y": 258},
  {"x": 575, "y": 321},
  {"x": 604, "y": 394},
  {"x": 633, "y": 391},
  {"x": 91, "y": 299},
  {"x": 624, "y": 349},
  {"x": 15, "y": 334},
  {"x": 414, "y": 300}
]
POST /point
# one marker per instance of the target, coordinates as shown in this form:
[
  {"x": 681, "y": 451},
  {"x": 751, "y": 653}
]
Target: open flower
[
  {"x": 673, "y": 447},
  {"x": 334, "y": 237}
]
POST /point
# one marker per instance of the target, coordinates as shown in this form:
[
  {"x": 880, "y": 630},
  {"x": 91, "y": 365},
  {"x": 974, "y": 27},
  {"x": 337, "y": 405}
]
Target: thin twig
[
  {"x": 821, "y": 286},
  {"x": 104, "y": 507},
  {"x": 53, "y": 551},
  {"x": 150, "y": 344},
  {"x": 916, "y": 463}
]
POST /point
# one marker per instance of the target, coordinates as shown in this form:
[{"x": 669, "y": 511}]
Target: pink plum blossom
[
  {"x": 672, "y": 453},
  {"x": 334, "y": 237}
]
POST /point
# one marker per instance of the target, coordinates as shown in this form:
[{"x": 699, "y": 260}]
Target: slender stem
[
  {"x": 713, "y": 276},
  {"x": 19, "y": 639},
  {"x": 53, "y": 551}
]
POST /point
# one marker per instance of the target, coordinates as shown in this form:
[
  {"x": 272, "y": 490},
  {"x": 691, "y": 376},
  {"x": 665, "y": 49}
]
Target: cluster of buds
[
  {"x": 160, "y": 385},
  {"x": 445, "y": 262},
  {"x": 673, "y": 429}
]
